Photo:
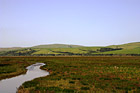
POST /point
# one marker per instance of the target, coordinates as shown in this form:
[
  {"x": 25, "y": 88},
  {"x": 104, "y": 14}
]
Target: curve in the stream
[{"x": 10, "y": 85}]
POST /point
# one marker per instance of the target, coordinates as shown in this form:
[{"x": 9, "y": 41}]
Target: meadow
[{"x": 77, "y": 74}]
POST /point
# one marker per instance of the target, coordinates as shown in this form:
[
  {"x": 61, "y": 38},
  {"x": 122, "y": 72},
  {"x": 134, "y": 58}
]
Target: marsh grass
[
  {"x": 10, "y": 67},
  {"x": 83, "y": 74}
]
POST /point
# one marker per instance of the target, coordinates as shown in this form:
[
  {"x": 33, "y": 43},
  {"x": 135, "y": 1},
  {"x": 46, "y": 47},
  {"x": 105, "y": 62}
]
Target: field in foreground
[{"x": 79, "y": 74}]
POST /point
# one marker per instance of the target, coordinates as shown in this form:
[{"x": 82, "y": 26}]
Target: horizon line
[{"x": 67, "y": 44}]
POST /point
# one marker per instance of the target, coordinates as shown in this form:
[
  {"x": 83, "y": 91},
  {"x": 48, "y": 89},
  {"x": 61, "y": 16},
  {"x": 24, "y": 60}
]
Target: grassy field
[
  {"x": 124, "y": 51},
  {"x": 83, "y": 50},
  {"x": 79, "y": 74},
  {"x": 86, "y": 50},
  {"x": 127, "y": 46}
]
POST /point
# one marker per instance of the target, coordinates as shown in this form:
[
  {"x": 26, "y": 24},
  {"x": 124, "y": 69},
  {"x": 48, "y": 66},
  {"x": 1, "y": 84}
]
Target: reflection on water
[{"x": 10, "y": 85}]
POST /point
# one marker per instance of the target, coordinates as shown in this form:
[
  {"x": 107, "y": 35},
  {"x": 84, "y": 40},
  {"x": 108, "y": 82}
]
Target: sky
[{"x": 25, "y": 23}]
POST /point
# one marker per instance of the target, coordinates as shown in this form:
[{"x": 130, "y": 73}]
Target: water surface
[{"x": 10, "y": 85}]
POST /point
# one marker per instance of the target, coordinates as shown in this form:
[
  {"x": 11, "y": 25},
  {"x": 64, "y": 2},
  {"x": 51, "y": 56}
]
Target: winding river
[{"x": 12, "y": 84}]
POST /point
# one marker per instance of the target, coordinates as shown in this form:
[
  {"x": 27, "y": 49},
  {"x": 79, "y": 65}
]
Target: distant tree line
[
  {"x": 86, "y": 55},
  {"x": 76, "y": 54},
  {"x": 101, "y": 50},
  {"x": 108, "y": 49}
]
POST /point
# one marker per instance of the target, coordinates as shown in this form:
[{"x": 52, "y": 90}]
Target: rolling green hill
[
  {"x": 130, "y": 48},
  {"x": 57, "y": 46},
  {"x": 124, "y": 51},
  {"x": 75, "y": 50},
  {"x": 127, "y": 46}
]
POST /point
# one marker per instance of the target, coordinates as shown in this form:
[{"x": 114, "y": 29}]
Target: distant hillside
[
  {"x": 57, "y": 46},
  {"x": 127, "y": 46},
  {"x": 130, "y": 49},
  {"x": 9, "y": 49}
]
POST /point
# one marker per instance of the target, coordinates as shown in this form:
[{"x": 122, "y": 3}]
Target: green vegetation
[
  {"x": 87, "y": 74},
  {"x": 78, "y": 74},
  {"x": 124, "y": 51},
  {"x": 127, "y": 46},
  {"x": 83, "y": 50},
  {"x": 57, "y": 46},
  {"x": 131, "y": 49}
]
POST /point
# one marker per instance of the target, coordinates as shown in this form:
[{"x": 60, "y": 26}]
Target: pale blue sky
[{"x": 26, "y": 23}]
